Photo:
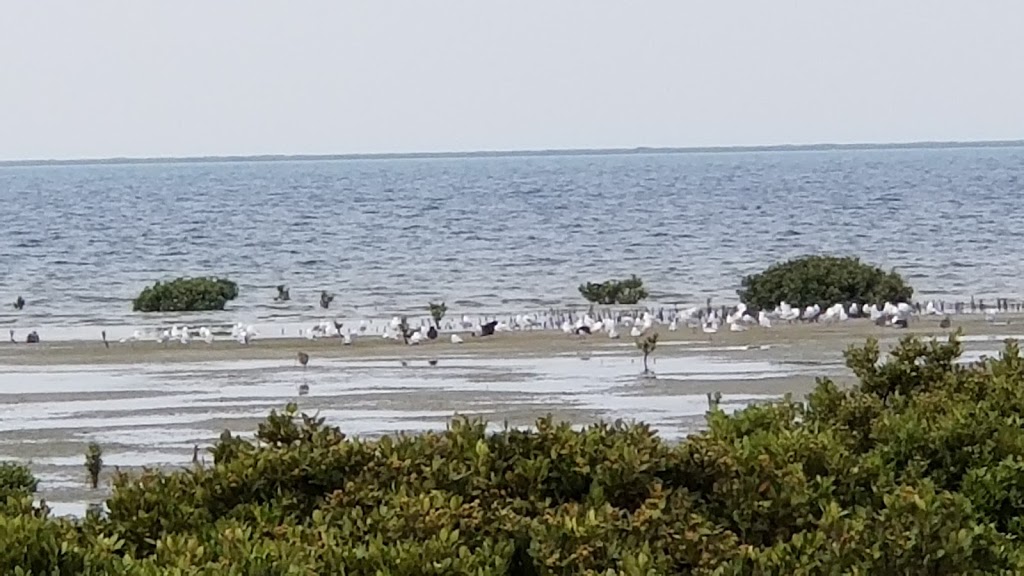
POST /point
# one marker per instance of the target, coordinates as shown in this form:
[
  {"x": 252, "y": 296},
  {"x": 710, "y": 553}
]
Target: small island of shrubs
[
  {"x": 186, "y": 295},
  {"x": 610, "y": 292},
  {"x": 918, "y": 469},
  {"x": 823, "y": 281}
]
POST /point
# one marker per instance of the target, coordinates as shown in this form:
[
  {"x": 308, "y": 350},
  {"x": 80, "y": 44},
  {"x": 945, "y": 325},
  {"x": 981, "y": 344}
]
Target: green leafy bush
[
  {"x": 186, "y": 295},
  {"x": 823, "y": 280},
  {"x": 916, "y": 470},
  {"x": 16, "y": 480},
  {"x": 628, "y": 291}
]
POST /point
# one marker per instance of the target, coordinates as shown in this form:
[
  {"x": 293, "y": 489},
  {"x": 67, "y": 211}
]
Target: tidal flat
[{"x": 152, "y": 405}]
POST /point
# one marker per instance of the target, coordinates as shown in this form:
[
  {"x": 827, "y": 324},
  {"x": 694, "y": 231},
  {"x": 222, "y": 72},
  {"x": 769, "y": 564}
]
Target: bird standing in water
[
  {"x": 19, "y": 303},
  {"x": 303, "y": 359},
  {"x": 326, "y": 299}
]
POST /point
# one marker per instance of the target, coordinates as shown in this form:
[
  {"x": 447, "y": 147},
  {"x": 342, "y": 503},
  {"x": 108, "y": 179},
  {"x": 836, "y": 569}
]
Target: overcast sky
[{"x": 136, "y": 78}]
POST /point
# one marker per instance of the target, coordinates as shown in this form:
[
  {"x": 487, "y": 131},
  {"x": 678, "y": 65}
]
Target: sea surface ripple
[{"x": 497, "y": 234}]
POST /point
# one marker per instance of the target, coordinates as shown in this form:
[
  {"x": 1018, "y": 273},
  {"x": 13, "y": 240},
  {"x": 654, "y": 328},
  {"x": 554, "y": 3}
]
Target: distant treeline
[{"x": 522, "y": 153}]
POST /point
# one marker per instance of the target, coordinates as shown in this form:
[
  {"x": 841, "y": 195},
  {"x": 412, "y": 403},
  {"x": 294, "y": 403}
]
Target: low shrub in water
[
  {"x": 823, "y": 280},
  {"x": 627, "y": 292},
  {"x": 919, "y": 469},
  {"x": 186, "y": 295}
]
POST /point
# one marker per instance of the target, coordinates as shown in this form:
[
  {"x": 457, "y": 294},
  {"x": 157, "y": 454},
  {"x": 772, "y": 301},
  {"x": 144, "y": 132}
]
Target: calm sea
[{"x": 497, "y": 234}]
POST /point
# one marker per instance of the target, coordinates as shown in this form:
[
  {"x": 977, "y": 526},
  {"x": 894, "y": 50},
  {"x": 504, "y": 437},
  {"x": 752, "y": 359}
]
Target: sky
[{"x": 141, "y": 78}]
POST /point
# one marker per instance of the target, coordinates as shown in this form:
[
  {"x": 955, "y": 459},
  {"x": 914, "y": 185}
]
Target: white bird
[
  {"x": 567, "y": 327},
  {"x": 736, "y": 327},
  {"x": 416, "y": 338},
  {"x": 811, "y": 312},
  {"x": 763, "y": 320},
  {"x": 456, "y": 339},
  {"x": 710, "y": 327},
  {"x": 613, "y": 333},
  {"x": 164, "y": 336},
  {"x": 673, "y": 325},
  {"x": 636, "y": 332},
  {"x": 206, "y": 334}
]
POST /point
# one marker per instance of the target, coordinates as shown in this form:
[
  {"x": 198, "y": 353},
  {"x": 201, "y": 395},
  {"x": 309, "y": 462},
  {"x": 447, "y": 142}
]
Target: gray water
[{"x": 496, "y": 234}]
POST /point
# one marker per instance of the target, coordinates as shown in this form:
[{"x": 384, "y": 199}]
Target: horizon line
[{"x": 115, "y": 160}]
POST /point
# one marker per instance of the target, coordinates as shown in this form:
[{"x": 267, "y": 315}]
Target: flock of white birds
[{"x": 707, "y": 319}]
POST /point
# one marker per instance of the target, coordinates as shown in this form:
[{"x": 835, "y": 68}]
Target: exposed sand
[
  {"x": 793, "y": 340},
  {"x": 148, "y": 404}
]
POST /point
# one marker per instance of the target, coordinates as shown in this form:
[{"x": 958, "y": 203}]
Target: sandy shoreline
[
  {"x": 148, "y": 404},
  {"x": 791, "y": 339}
]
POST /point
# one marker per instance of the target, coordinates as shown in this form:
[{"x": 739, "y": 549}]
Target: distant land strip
[{"x": 521, "y": 153}]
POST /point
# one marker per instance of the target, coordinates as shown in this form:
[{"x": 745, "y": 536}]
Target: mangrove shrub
[
  {"x": 186, "y": 295},
  {"x": 918, "y": 469},
  {"x": 823, "y": 280},
  {"x": 628, "y": 291}
]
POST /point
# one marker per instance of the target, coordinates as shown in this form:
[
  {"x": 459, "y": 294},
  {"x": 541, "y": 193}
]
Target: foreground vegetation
[
  {"x": 823, "y": 280},
  {"x": 186, "y": 295},
  {"x": 917, "y": 470}
]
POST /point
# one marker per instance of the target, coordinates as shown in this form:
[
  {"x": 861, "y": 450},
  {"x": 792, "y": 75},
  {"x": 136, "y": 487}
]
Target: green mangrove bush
[
  {"x": 625, "y": 292},
  {"x": 823, "y": 280},
  {"x": 186, "y": 295},
  {"x": 918, "y": 469}
]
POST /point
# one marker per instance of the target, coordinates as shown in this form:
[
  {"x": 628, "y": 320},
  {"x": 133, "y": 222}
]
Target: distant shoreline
[{"x": 520, "y": 153}]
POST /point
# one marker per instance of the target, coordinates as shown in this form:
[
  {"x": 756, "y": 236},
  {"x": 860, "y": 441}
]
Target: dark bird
[
  {"x": 432, "y": 333},
  {"x": 13, "y": 341},
  {"x": 195, "y": 453},
  {"x": 326, "y": 299},
  {"x": 432, "y": 362},
  {"x": 945, "y": 323},
  {"x": 303, "y": 359},
  {"x": 488, "y": 329},
  {"x": 105, "y": 343},
  {"x": 337, "y": 326},
  {"x": 282, "y": 294},
  {"x": 583, "y": 330},
  {"x": 33, "y": 338},
  {"x": 19, "y": 303},
  {"x": 303, "y": 389}
]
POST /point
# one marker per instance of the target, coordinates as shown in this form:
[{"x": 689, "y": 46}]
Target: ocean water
[{"x": 491, "y": 235}]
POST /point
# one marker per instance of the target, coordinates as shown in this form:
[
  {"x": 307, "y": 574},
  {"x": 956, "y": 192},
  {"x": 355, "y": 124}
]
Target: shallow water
[
  {"x": 153, "y": 415},
  {"x": 493, "y": 234}
]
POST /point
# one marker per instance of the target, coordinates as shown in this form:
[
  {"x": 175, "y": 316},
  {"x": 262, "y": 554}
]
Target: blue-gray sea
[{"x": 500, "y": 233}]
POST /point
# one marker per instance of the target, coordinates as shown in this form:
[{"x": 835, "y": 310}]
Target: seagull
[
  {"x": 763, "y": 320},
  {"x": 456, "y": 339}
]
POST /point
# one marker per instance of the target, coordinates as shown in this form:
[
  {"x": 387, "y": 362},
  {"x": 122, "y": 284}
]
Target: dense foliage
[
  {"x": 917, "y": 470},
  {"x": 186, "y": 295},
  {"x": 823, "y": 280},
  {"x": 628, "y": 291}
]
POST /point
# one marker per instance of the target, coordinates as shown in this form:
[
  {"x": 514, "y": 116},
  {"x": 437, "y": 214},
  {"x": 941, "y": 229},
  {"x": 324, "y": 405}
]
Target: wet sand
[
  {"x": 807, "y": 338},
  {"x": 149, "y": 404}
]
